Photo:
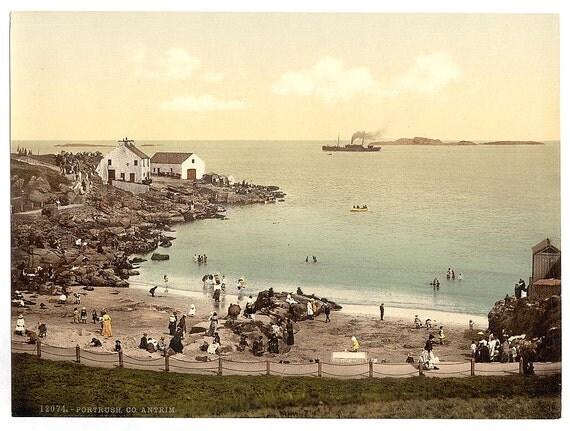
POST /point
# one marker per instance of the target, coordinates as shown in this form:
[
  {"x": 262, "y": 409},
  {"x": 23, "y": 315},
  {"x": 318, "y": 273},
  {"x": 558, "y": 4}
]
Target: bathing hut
[{"x": 546, "y": 270}]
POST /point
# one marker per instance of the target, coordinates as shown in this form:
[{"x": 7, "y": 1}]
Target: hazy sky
[{"x": 184, "y": 75}]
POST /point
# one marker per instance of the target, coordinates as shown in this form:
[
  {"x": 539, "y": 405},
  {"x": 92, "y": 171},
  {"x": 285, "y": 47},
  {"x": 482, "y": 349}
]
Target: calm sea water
[{"x": 476, "y": 209}]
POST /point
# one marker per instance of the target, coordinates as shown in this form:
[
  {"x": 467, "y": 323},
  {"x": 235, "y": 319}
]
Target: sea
[{"x": 475, "y": 209}]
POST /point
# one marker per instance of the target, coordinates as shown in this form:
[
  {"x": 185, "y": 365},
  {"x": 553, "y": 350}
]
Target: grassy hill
[{"x": 68, "y": 389}]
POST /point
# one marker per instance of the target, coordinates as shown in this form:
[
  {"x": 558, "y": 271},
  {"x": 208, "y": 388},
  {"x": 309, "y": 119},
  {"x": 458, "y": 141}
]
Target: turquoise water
[{"x": 476, "y": 209}]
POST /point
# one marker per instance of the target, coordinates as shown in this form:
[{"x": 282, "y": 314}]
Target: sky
[{"x": 284, "y": 75}]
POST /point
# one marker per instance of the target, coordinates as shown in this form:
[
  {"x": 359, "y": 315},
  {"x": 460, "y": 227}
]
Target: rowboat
[{"x": 358, "y": 209}]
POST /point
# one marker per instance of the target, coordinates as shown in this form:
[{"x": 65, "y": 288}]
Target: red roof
[{"x": 170, "y": 158}]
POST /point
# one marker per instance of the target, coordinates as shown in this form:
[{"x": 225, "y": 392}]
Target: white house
[
  {"x": 186, "y": 166},
  {"x": 126, "y": 163}
]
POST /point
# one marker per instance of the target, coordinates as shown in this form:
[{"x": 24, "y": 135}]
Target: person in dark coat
[
  {"x": 257, "y": 347},
  {"x": 273, "y": 344},
  {"x": 429, "y": 344},
  {"x": 182, "y": 324},
  {"x": 327, "y": 313},
  {"x": 172, "y": 321},
  {"x": 144, "y": 342},
  {"x": 176, "y": 342}
]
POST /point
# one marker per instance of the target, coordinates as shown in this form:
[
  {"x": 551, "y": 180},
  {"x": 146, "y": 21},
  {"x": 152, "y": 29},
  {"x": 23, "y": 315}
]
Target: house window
[
  {"x": 171, "y": 170},
  {"x": 136, "y": 162},
  {"x": 123, "y": 176},
  {"x": 192, "y": 160},
  {"x": 109, "y": 162}
]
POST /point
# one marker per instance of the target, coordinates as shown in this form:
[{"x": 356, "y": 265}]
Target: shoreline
[
  {"x": 134, "y": 311},
  {"x": 451, "y": 318}
]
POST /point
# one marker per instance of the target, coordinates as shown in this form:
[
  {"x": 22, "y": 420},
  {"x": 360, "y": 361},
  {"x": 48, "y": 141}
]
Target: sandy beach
[{"x": 134, "y": 311}]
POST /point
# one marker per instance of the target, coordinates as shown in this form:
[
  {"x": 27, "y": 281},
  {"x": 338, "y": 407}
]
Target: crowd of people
[
  {"x": 278, "y": 341},
  {"x": 200, "y": 258},
  {"x": 492, "y": 349}
]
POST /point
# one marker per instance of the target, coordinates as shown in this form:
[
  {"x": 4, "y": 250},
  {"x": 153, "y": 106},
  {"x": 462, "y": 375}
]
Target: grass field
[{"x": 59, "y": 389}]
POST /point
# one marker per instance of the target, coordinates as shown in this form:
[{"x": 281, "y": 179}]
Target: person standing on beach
[
  {"x": 106, "y": 330},
  {"x": 248, "y": 308},
  {"x": 172, "y": 324},
  {"x": 327, "y": 312},
  {"x": 182, "y": 324},
  {"x": 94, "y": 316},
  {"x": 144, "y": 342},
  {"x": 441, "y": 335},
  {"x": 152, "y": 290},
  {"x": 310, "y": 310},
  {"x": 213, "y": 324},
  {"x": 382, "y": 311},
  {"x": 165, "y": 283},
  {"x": 20, "y": 325},
  {"x": 429, "y": 344}
]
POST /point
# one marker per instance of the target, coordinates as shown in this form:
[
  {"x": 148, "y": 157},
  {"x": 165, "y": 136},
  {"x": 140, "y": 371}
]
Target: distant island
[
  {"x": 428, "y": 141},
  {"x": 76, "y": 145}
]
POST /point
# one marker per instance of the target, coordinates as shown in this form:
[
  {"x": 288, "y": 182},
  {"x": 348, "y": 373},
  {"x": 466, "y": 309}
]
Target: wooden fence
[{"x": 222, "y": 366}]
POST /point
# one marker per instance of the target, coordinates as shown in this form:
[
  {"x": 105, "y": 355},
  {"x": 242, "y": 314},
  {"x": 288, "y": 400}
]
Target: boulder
[
  {"x": 118, "y": 231},
  {"x": 38, "y": 197},
  {"x": 158, "y": 256}
]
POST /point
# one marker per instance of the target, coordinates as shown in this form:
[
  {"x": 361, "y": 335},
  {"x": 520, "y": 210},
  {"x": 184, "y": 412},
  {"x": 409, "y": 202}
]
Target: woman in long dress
[
  {"x": 213, "y": 324},
  {"x": 106, "y": 331},
  {"x": 172, "y": 324},
  {"x": 310, "y": 310}
]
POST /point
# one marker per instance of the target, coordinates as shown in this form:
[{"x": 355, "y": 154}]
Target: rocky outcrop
[
  {"x": 539, "y": 321},
  {"x": 271, "y": 307},
  {"x": 90, "y": 243}
]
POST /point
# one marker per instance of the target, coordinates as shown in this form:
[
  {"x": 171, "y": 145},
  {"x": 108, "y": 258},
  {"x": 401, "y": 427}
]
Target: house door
[
  {"x": 132, "y": 177},
  {"x": 110, "y": 175},
  {"x": 191, "y": 174}
]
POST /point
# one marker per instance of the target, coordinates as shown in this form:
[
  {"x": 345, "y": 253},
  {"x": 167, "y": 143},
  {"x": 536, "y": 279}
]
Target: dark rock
[
  {"x": 539, "y": 320},
  {"x": 158, "y": 256}
]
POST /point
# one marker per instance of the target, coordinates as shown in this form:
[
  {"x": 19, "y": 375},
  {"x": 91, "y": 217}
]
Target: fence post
[
  {"x": 219, "y": 366},
  {"x": 120, "y": 358},
  {"x": 39, "y": 348},
  {"x": 472, "y": 367},
  {"x": 77, "y": 353},
  {"x": 421, "y": 368},
  {"x": 370, "y": 368},
  {"x": 267, "y": 367},
  {"x": 319, "y": 369},
  {"x": 521, "y": 370},
  {"x": 166, "y": 364}
]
